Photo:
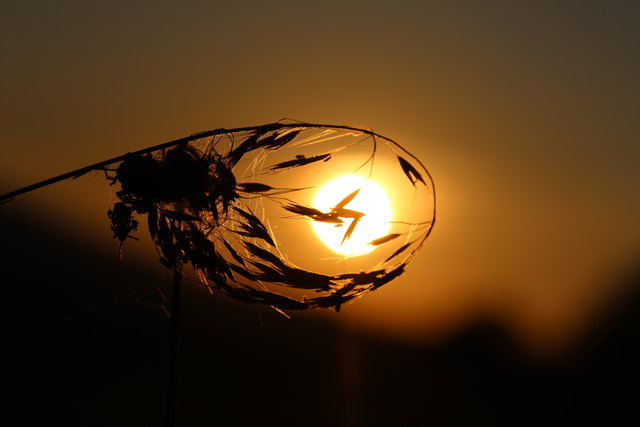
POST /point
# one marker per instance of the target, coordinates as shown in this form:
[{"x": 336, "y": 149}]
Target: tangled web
[{"x": 236, "y": 205}]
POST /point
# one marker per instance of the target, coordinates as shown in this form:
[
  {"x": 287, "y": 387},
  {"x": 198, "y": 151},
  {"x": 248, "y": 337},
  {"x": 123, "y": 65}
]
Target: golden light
[{"x": 371, "y": 200}]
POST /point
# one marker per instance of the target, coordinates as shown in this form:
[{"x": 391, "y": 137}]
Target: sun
[{"x": 369, "y": 208}]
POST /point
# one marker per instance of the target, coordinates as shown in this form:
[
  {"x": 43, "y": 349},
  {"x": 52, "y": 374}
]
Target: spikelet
[{"x": 237, "y": 205}]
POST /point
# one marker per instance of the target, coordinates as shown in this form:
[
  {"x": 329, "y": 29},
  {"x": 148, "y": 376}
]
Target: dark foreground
[{"x": 87, "y": 346}]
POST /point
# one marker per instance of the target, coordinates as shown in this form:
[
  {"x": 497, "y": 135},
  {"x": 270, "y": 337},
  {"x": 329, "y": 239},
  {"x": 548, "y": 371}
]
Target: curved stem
[{"x": 273, "y": 126}]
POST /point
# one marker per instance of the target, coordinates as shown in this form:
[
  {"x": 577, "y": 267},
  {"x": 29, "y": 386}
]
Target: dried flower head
[
  {"x": 232, "y": 203},
  {"x": 242, "y": 207}
]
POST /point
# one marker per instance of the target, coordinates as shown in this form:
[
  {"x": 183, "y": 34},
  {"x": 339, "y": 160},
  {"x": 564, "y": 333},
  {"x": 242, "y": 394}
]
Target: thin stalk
[
  {"x": 274, "y": 126},
  {"x": 174, "y": 334}
]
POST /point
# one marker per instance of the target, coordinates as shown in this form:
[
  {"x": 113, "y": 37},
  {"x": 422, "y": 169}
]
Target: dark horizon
[{"x": 88, "y": 345}]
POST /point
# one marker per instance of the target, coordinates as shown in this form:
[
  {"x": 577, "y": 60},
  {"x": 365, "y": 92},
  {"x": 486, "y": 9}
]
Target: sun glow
[{"x": 371, "y": 200}]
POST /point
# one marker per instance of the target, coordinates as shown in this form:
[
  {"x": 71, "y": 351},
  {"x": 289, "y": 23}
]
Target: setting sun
[{"x": 369, "y": 209}]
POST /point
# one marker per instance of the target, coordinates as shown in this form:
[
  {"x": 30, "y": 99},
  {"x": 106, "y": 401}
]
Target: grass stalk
[{"x": 174, "y": 335}]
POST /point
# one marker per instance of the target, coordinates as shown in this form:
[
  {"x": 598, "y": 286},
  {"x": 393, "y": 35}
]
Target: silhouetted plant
[
  {"x": 201, "y": 205},
  {"x": 213, "y": 200},
  {"x": 204, "y": 199}
]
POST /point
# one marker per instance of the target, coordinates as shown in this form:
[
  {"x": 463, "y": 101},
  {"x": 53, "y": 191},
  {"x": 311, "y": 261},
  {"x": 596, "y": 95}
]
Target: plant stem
[
  {"x": 274, "y": 126},
  {"x": 174, "y": 333}
]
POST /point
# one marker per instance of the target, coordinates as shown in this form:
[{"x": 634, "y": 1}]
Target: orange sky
[{"x": 525, "y": 114}]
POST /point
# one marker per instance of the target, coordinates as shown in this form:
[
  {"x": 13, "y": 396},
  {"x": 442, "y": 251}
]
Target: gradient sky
[{"x": 526, "y": 113}]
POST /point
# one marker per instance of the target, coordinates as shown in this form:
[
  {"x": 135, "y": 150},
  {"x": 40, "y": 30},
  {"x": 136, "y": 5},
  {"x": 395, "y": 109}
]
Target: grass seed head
[{"x": 206, "y": 206}]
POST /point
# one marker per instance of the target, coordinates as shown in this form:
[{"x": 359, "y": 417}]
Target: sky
[{"x": 525, "y": 113}]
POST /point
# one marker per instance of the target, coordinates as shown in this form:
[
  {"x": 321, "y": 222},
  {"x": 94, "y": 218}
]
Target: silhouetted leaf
[
  {"x": 383, "y": 239},
  {"x": 398, "y": 252},
  {"x": 279, "y": 140},
  {"x": 264, "y": 254},
  {"x": 249, "y": 216},
  {"x": 338, "y": 297},
  {"x": 410, "y": 172},
  {"x": 306, "y": 279},
  {"x": 388, "y": 277},
  {"x": 301, "y": 160},
  {"x": 233, "y": 252},
  {"x": 255, "y": 227},
  {"x": 352, "y": 227},
  {"x": 312, "y": 213},
  {"x": 253, "y": 187},
  {"x": 362, "y": 278},
  {"x": 250, "y": 143},
  {"x": 346, "y": 289},
  {"x": 264, "y": 235},
  {"x": 303, "y": 210},
  {"x": 267, "y": 273},
  {"x": 347, "y": 199},
  {"x": 242, "y": 271}
]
